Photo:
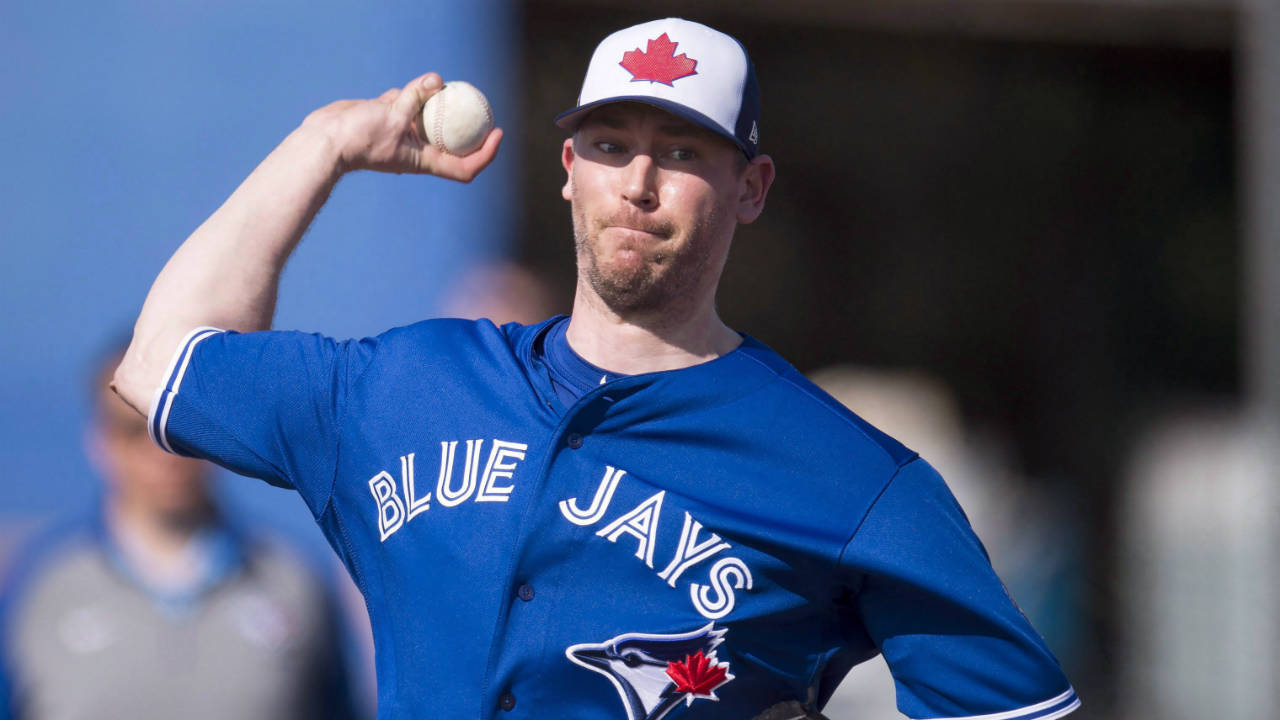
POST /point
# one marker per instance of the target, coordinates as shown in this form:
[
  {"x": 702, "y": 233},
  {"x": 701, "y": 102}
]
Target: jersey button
[
  {"x": 525, "y": 592},
  {"x": 507, "y": 701},
  {"x": 574, "y": 440}
]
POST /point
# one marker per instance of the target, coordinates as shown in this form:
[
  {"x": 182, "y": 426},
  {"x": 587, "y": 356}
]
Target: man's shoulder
[
  {"x": 457, "y": 337},
  {"x": 820, "y": 413},
  {"x": 44, "y": 553}
]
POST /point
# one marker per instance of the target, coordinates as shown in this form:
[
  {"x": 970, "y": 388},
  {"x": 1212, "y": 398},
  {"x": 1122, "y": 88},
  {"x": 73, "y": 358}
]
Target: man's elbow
[{"x": 129, "y": 382}]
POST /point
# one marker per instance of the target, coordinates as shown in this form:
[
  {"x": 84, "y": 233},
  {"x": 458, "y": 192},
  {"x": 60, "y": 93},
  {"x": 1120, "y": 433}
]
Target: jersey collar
[{"x": 647, "y": 396}]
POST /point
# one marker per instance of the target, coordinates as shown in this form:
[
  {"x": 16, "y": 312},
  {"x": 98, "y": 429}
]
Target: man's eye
[
  {"x": 683, "y": 154},
  {"x": 607, "y": 147}
]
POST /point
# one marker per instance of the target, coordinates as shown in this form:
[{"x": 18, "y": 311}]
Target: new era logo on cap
[{"x": 683, "y": 67}]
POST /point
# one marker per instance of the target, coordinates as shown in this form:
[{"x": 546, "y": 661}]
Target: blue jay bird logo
[{"x": 654, "y": 673}]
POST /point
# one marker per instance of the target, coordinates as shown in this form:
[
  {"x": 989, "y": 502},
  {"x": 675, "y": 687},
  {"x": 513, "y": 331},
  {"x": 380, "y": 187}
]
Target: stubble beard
[{"x": 667, "y": 280}]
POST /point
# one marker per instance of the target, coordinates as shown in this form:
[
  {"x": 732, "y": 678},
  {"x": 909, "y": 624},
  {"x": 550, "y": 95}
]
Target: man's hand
[{"x": 385, "y": 134}]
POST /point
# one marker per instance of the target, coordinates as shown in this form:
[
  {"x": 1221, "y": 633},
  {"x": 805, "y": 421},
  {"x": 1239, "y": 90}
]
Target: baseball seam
[
  {"x": 488, "y": 112},
  {"x": 439, "y": 120}
]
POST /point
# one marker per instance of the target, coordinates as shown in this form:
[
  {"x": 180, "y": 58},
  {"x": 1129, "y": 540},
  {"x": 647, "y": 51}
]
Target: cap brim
[{"x": 570, "y": 119}]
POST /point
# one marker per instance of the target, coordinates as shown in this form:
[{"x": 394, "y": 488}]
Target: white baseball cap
[{"x": 683, "y": 67}]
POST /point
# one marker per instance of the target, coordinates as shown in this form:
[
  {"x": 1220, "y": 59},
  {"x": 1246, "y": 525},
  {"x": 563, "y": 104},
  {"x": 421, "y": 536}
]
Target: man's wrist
[{"x": 319, "y": 141}]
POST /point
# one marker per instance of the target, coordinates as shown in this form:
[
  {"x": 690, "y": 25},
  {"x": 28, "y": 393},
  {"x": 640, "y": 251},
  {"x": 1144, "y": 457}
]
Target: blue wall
[{"x": 125, "y": 123}]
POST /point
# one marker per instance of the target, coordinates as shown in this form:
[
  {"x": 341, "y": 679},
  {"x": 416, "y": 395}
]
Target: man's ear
[
  {"x": 566, "y": 159},
  {"x": 753, "y": 187}
]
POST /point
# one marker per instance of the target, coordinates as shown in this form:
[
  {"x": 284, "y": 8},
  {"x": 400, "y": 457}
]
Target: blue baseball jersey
[{"x": 696, "y": 543}]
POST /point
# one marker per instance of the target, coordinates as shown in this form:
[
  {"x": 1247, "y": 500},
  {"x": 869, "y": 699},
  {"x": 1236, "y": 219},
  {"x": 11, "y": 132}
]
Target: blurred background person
[
  {"x": 154, "y": 605},
  {"x": 1199, "y": 584}
]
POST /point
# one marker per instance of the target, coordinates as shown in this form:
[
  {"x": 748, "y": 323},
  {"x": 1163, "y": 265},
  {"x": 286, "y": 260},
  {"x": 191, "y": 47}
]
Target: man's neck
[
  {"x": 161, "y": 553},
  {"x": 161, "y": 538},
  {"x": 651, "y": 342}
]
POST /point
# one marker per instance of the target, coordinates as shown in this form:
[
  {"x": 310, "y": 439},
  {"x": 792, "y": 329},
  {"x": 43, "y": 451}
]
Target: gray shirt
[{"x": 84, "y": 640}]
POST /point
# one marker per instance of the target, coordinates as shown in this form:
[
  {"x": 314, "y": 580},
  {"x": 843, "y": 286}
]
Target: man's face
[
  {"x": 141, "y": 475},
  {"x": 655, "y": 203}
]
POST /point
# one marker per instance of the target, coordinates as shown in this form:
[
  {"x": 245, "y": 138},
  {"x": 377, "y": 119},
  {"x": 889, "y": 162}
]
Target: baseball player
[{"x": 630, "y": 513}]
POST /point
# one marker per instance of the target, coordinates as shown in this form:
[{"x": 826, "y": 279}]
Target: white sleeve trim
[
  {"x": 162, "y": 401},
  {"x": 1057, "y": 707}
]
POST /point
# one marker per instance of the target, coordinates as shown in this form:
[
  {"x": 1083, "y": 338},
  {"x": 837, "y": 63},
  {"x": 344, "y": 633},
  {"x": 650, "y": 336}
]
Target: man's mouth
[{"x": 640, "y": 231}]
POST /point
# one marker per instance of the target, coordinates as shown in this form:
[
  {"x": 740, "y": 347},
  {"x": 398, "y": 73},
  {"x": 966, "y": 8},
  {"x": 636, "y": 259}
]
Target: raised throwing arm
[{"x": 227, "y": 272}]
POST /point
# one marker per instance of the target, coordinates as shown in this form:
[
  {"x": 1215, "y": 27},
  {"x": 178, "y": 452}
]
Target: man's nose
[{"x": 640, "y": 187}]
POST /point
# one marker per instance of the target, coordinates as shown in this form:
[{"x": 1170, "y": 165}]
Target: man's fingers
[
  {"x": 389, "y": 96},
  {"x": 466, "y": 167},
  {"x": 415, "y": 94}
]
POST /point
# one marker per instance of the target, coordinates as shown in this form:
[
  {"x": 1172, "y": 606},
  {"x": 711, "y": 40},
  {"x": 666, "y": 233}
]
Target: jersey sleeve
[
  {"x": 928, "y": 597},
  {"x": 264, "y": 404}
]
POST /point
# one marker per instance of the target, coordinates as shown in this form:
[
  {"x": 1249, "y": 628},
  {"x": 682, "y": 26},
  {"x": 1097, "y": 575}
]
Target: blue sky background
[{"x": 125, "y": 124}]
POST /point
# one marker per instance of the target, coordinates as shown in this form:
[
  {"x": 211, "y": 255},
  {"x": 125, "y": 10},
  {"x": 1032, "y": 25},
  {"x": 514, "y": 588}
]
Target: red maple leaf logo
[
  {"x": 658, "y": 63},
  {"x": 698, "y": 676}
]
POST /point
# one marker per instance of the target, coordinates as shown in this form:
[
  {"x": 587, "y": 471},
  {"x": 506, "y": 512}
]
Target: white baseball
[{"x": 457, "y": 119}]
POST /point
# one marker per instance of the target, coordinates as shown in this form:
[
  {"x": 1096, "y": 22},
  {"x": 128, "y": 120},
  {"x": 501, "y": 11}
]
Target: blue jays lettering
[{"x": 398, "y": 503}]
